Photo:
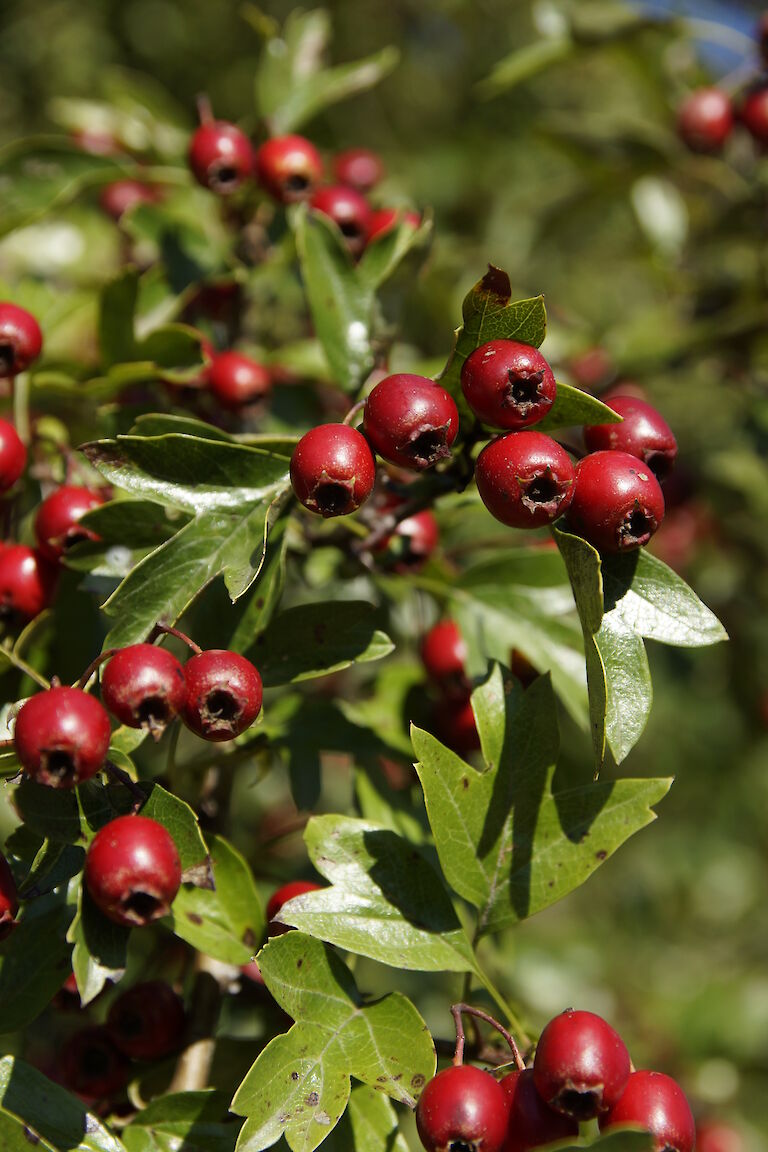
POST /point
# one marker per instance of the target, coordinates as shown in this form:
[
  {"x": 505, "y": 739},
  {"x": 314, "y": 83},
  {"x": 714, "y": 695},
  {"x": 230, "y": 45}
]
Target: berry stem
[
  {"x": 353, "y": 412},
  {"x": 459, "y": 1010},
  {"x": 21, "y": 406},
  {"x": 204, "y": 109},
  {"x": 27, "y": 669},
  {"x": 167, "y": 630},
  {"x": 82, "y": 683}
]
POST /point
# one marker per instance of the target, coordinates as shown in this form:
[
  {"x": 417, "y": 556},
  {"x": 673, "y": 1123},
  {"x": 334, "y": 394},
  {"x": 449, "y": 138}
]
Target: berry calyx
[
  {"x": 617, "y": 502},
  {"x": 643, "y": 432},
  {"x": 348, "y": 209},
  {"x": 411, "y": 421},
  {"x": 531, "y": 1122},
  {"x": 463, "y": 1109},
  {"x": 57, "y": 523},
  {"x": 223, "y": 694},
  {"x": 705, "y": 120},
  {"x": 21, "y": 340},
  {"x": 333, "y": 470},
  {"x": 236, "y": 380},
  {"x": 525, "y": 479},
  {"x": 61, "y": 737},
  {"x": 754, "y": 114},
  {"x": 282, "y": 896},
  {"x": 358, "y": 168},
  {"x": 147, "y": 1022},
  {"x": 27, "y": 582},
  {"x": 581, "y": 1066},
  {"x": 383, "y": 220},
  {"x": 658, "y": 1104},
  {"x": 144, "y": 687},
  {"x": 508, "y": 384},
  {"x": 221, "y": 157},
  {"x": 132, "y": 870},
  {"x": 122, "y": 195},
  {"x": 13, "y": 456},
  {"x": 92, "y": 1066},
  {"x": 288, "y": 168},
  {"x": 9, "y": 898},
  {"x": 444, "y": 654}
]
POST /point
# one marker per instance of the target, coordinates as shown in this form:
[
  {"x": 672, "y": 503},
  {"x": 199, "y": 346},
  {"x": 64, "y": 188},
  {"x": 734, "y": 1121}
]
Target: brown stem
[
  {"x": 353, "y": 412},
  {"x": 457, "y": 1010},
  {"x": 94, "y": 664},
  {"x": 204, "y": 109},
  {"x": 167, "y": 630}
]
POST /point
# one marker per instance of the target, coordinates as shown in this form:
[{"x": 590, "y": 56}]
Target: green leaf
[
  {"x": 385, "y": 901},
  {"x": 100, "y": 948},
  {"x": 368, "y": 1125},
  {"x": 572, "y": 406},
  {"x": 506, "y": 842},
  {"x": 194, "y": 1121},
  {"x": 263, "y": 597},
  {"x": 180, "y": 821},
  {"x": 330, "y": 86},
  {"x": 524, "y": 63},
  {"x": 34, "y": 1109},
  {"x": 300, "y": 1084},
  {"x": 315, "y": 639},
  {"x": 386, "y": 251},
  {"x": 34, "y": 961}
]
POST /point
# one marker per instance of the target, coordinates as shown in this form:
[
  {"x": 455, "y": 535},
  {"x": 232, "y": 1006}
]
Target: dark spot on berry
[
  {"x": 579, "y": 1105},
  {"x": 7, "y": 358},
  {"x": 222, "y": 705},
  {"x": 296, "y": 183},
  {"x": 58, "y": 764},
  {"x": 140, "y": 907},
  {"x": 332, "y": 498},
  {"x": 428, "y": 447},
  {"x": 350, "y": 229}
]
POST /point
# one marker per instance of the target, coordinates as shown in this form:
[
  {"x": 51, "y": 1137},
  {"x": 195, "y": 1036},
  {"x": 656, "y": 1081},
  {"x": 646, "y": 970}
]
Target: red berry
[
  {"x": 21, "y": 340},
  {"x": 591, "y": 368},
  {"x": 9, "y": 898},
  {"x": 643, "y": 432},
  {"x": 416, "y": 537},
  {"x": 132, "y": 870},
  {"x": 288, "y": 167},
  {"x": 716, "y": 1136},
  {"x": 525, "y": 479},
  {"x": 223, "y": 694},
  {"x": 754, "y": 114},
  {"x": 122, "y": 195},
  {"x": 531, "y": 1122},
  {"x": 333, "y": 470},
  {"x": 252, "y": 972},
  {"x": 383, "y": 220},
  {"x": 348, "y": 209},
  {"x": 463, "y": 1109},
  {"x": 147, "y": 1022},
  {"x": 236, "y": 380},
  {"x": 282, "y": 896},
  {"x": 581, "y": 1066},
  {"x": 27, "y": 582},
  {"x": 443, "y": 654},
  {"x": 508, "y": 384},
  {"x": 411, "y": 421},
  {"x": 13, "y": 456},
  {"x": 62, "y": 737},
  {"x": 617, "y": 502},
  {"x": 656, "y": 1103},
  {"x": 455, "y": 725},
  {"x": 57, "y": 524},
  {"x": 144, "y": 687},
  {"x": 221, "y": 157},
  {"x": 705, "y": 120},
  {"x": 358, "y": 168},
  {"x": 92, "y": 1066}
]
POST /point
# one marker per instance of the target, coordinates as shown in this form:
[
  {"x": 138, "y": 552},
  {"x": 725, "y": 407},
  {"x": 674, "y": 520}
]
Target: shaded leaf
[
  {"x": 315, "y": 639},
  {"x": 35, "y": 1109}
]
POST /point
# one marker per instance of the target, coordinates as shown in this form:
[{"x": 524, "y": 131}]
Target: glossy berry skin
[
  {"x": 705, "y": 120},
  {"x": 643, "y": 432},
  {"x": 508, "y": 384},
  {"x": 383, "y": 220},
  {"x": 531, "y": 1122},
  {"x": 27, "y": 582},
  {"x": 462, "y": 1109},
  {"x": 455, "y": 725},
  {"x": 147, "y": 1022},
  {"x": 754, "y": 114},
  {"x": 221, "y": 157},
  {"x": 581, "y": 1066},
  {"x": 236, "y": 380},
  {"x": 411, "y": 421},
  {"x": 9, "y": 899},
  {"x": 122, "y": 195},
  {"x": 444, "y": 653},
  {"x": 62, "y": 737},
  {"x": 57, "y": 525},
  {"x": 92, "y": 1066},
  {"x": 358, "y": 168},
  {"x": 132, "y": 870},
  {"x": 21, "y": 340},
  {"x": 333, "y": 470},
  {"x": 13, "y": 456},
  {"x": 617, "y": 502},
  {"x": 348, "y": 209},
  {"x": 144, "y": 687},
  {"x": 289, "y": 168},
  {"x": 656, "y": 1103},
  {"x": 223, "y": 694},
  {"x": 525, "y": 479},
  {"x": 282, "y": 896}
]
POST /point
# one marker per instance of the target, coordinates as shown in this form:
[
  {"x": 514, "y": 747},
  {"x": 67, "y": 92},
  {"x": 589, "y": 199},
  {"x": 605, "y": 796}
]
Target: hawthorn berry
[
  {"x": 617, "y": 502},
  {"x": 61, "y": 737},
  {"x": 288, "y": 168},
  {"x": 132, "y": 870},
  {"x": 410, "y": 420},
  {"x": 531, "y": 1122},
  {"x": 717, "y": 1136},
  {"x": 221, "y": 157},
  {"x": 508, "y": 384},
  {"x": 223, "y": 694},
  {"x": 144, "y": 687},
  {"x": 705, "y": 120},
  {"x": 444, "y": 654},
  {"x": 122, "y": 195},
  {"x": 658, "y": 1104},
  {"x": 455, "y": 725},
  {"x": 57, "y": 526},
  {"x": 236, "y": 380},
  {"x": 348, "y": 209},
  {"x": 13, "y": 456},
  {"x": 383, "y": 220},
  {"x": 252, "y": 972},
  {"x": 91, "y": 1065},
  {"x": 525, "y": 479},
  {"x": 147, "y": 1022},
  {"x": 462, "y": 1109},
  {"x": 643, "y": 432},
  {"x": 414, "y": 539},
  {"x": 591, "y": 368},
  {"x": 27, "y": 582},
  {"x": 333, "y": 470},
  {"x": 21, "y": 340},
  {"x": 754, "y": 113},
  {"x": 282, "y": 896},
  {"x": 358, "y": 168},
  {"x": 581, "y": 1066},
  {"x": 9, "y": 898}
]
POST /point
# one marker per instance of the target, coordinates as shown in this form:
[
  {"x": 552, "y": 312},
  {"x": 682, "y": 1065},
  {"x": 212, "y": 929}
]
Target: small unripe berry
[
  {"x": 144, "y": 687},
  {"x": 581, "y": 1066},
  {"x": 61, "y": 737},
  {"x": 531, "y": 1122},
  {"x": 221, "y": 157},
  {"x": 383, "y": 220},
  {"x": 236, "y": 380},
  {"x": 282, "y": 896},
  {"x": 13, "y": 456},
  {"x": 462, "y": 1109},
  {"x": 92, "y": 1066},
  {"x": 57, "y": 525},
  {"x": 754, "y": 114},
  {"x": 122, "y": 195},
  {"x": 21, "y": 340},
  {"x": 358, "y": 168},
  {"x": 444, "y": 654},
  {"x": 333, "y": 470},
  {"x": 643, "y": 432},
  {"x": 656, "y": 1103},
  {"x": 147, "y": 1022},
  {"x": 508, "y": 384},
  {"x": 223, "y": 694},
  {"x": 705, "y": 120},
  {"x": 617, "y": 502},
  {"x": 27, "y": 582},
  {"x": 411, "y": 421},
  {"x": 289, "y": 168},
  {"x": 348, "y": 209},
  {"x": 525, "y": 479},
  {"x": 9, "y": 898},
  {"x": 132, "y": 870}
]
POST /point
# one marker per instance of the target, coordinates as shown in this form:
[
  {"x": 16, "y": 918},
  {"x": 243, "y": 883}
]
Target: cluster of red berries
[{"x": 581, "y": 1071}]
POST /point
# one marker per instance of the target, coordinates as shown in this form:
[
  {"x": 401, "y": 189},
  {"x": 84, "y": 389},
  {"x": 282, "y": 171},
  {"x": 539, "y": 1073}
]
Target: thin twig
[
  {"x": 92, "y": 667},
  {"x": 457, "y": 1010},
  {"x": 167, "y": 630},
  {"x": 353, "y": 412}
]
